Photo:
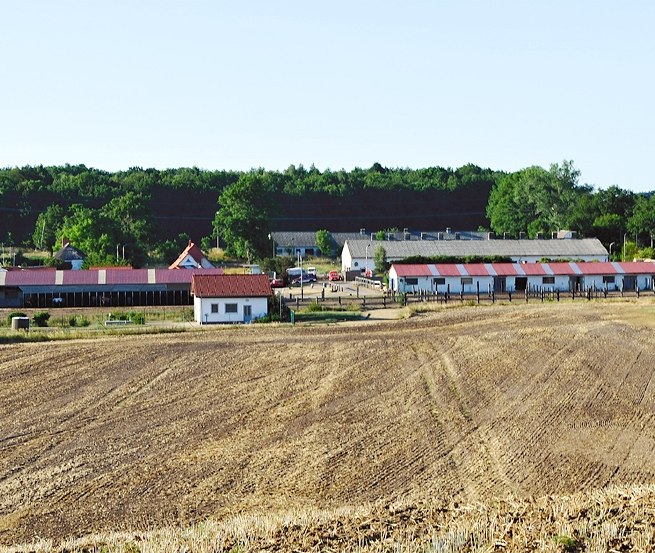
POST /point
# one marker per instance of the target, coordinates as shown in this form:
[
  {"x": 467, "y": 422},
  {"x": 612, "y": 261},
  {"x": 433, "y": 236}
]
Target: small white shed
[{"x": 230, "y": 298}]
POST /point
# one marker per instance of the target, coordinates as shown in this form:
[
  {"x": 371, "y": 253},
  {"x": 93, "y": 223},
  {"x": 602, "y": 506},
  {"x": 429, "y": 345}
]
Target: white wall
[{"x": 202, "y": 309}]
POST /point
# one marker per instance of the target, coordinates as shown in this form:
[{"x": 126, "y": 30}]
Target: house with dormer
[{"x": 191, "y": 258}]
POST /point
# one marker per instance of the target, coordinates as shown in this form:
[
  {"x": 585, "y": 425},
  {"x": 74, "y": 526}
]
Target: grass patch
[{"x": 326, "y": 316}]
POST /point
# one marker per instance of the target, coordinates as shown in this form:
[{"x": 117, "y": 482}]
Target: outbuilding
[
  {"x": 230, "y": 298},
  {"x": 468, "y": 278}
]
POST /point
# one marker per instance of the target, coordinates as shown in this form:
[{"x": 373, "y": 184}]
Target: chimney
[
  {"x": 490, "y": 236},
  {"x": 64, "y": 242},
  {"x": 521, "y": 235},
  {"x": 362, "y": 231},
  {"x": 540, "y": 236},
  {"x": 448, "y": 230}
]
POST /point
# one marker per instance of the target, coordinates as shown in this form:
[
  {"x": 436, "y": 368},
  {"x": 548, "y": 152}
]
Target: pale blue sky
[{"x": 235, "y": 85}]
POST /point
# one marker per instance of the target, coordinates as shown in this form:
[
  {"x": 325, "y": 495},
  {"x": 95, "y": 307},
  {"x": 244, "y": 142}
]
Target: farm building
[
  {"x": 230, "y": 298},
  {"x": 70, "y": 254},
  {"x": 97, "y": 287},
  {"x": 304, "y": 243},
  {"x": 191, "y": 258},
  {"x": 359, "y": 254},
  {"x": 468, "y": 278}
]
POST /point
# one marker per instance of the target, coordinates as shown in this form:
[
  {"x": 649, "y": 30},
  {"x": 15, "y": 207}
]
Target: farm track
[{"x": 464, "y": 404}]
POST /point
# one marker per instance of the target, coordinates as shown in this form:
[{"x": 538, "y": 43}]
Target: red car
[
  {"x": 334, "y": 275},
  {"x": 277, "y": 283}
]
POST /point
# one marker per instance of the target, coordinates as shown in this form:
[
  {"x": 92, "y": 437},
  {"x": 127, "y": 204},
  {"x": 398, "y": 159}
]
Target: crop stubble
[{"x": 466, "y": 404}]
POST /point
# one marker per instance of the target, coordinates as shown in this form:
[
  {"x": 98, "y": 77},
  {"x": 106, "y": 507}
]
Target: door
[
  {"x": 520, "y": 283},
  {"x": 500, "y": 285},
  {"x": 247, "y": 313}
]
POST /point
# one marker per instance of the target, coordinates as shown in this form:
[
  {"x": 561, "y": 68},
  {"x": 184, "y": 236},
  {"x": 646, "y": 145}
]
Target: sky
[{"x": 507, "y": 84}]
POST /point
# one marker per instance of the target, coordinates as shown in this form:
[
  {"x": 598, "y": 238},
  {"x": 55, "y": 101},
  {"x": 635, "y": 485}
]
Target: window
[
  {"x": 411, "y": 281},
  {"x": 608, "y": 280},
  {"x": 231, "y": 308},
  {"x": 467, "y": 280},
  {"x": 214, "y": 308},
  {"x": 440, "y": 281},
  {"x": 549, "y": 280}
]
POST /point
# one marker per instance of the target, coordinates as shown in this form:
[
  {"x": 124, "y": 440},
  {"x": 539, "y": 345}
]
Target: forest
[{"x": 149, "y": 215}]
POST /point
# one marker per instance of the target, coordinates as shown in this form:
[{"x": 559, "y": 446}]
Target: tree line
[{"x": 146, "y": 216}]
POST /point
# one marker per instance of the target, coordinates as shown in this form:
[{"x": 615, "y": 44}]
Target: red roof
[
  {"x": 476, "y": 269},
  {"x": 174, "y": 276},
  {"x": 598, "y": 268},
  {"x": 413, "y": 270},
  {"x": 230, "y": 286},
  {"x": 533, "y": 269},
  {"x": 505, "y": 269},
  {"x": 194, "y": 251}
]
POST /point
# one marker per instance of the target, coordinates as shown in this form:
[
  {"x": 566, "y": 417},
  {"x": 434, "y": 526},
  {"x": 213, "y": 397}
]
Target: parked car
[
  {"x": 277, "y": 282},
  {"x": 334, "y": 275},
  {"x": 305, "y": 279}
]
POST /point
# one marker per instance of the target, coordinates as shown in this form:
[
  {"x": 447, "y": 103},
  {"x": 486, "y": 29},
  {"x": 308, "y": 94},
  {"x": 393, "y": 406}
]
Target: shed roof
[
  {"x": 400, "y": 249},
  {"x": 70, "y": 253},
  {"x": 230, "y": 286},
  {"x": 524, "y": 269}
]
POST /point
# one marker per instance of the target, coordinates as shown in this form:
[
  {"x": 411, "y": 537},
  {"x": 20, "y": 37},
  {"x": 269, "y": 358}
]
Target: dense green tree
[
  {"x": 243, "y": 218},
  {"x": 85, "y": 230},
  {"x": 47, "y": 224},
  {"x": 380, "y": 260},
  {"x": 325, "y": 243},
  {"x": 642, "y": 221},
  {"x": 534, "y": 200}
]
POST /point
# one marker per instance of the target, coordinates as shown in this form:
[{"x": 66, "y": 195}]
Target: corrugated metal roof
[
  {"x": 230, "y": 286},
  {"x": 401, "y": 249},
  {"x": 112, "y": 276},
  {"x": 71, "y": 278}
]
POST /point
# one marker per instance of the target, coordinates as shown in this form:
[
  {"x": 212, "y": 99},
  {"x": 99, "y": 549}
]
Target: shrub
[
  {"x": 78, "y": 320},
  {"x": 41, "y": 318},
  {"x": 315, "y": 307},
  {"x": 136, "y": 317},
  {"x": 14, "y": 314}
]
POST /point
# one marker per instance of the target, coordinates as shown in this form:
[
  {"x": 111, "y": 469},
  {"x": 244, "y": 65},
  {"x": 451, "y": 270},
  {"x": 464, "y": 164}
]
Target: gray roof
[
  {"x": 400, "y": 249},
  {"x": 307, "y": 239},
  {"x": 70, "y": 253}
]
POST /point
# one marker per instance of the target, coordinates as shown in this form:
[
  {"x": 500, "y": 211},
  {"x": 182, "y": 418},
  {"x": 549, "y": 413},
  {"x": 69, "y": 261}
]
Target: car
[
  {"x": 334, "y": 276},
  {"x": 305, "y": 279},
  {"x": 277, "y": 282}
]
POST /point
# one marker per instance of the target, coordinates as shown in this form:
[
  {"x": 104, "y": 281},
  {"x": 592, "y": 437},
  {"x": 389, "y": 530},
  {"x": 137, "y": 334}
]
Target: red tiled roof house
[
  {"x": 230, "y": 298},
  {"x": 191, "y": 258}
]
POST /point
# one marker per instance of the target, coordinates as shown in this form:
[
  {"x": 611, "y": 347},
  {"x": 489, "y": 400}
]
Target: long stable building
[
  {"x": 468, "y": 278},
  {"x": 98, "y": 287}
]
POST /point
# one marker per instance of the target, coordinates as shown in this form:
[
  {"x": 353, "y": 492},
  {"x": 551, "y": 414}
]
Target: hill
[{"x": 455, "y": 408}]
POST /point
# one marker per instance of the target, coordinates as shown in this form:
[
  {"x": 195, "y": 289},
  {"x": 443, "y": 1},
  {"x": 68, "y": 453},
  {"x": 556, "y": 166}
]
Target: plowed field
[{"x": 465, "y": 404}]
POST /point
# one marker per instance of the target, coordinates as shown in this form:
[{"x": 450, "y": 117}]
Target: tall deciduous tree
[
  {"x": 325, "y": 242},
  {"x": 243, "y": 218}
]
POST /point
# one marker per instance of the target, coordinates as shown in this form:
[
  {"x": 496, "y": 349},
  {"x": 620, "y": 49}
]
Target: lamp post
[
  {"x": 611, "y": 244},
  {"x": 270, "y": 237},
  {"x": 366, "y": 263},
  {"x": 624, "y": 235}
]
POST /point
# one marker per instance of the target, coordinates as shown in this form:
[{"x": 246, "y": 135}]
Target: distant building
[
  {"x": 360, "y": 254},
  {"x": 70, "y": 254},
  {"x": 191, "y": 258},
  {"x": 230, "y": 298},
  {"x": 468, "y": 278}
]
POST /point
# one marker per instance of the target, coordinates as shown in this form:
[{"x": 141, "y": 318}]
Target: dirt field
[{"x": 463, "y": 405}]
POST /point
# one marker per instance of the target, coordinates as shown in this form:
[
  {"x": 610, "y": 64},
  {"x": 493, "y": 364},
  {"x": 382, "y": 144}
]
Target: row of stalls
[
  {"x": 44, "y": 288},
  {"x": 470, "y": 278}
]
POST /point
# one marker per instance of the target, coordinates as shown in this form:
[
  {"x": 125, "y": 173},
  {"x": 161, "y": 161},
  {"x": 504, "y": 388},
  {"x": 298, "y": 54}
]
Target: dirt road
[{"x": 470, "y": 403}]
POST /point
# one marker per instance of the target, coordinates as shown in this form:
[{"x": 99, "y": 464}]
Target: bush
[
  {"x": 78, "y": 320},
  {"x": 14, "y": 314},
  {"x": 41, "y": 318}
]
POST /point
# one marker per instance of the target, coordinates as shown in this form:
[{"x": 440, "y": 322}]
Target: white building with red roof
[
  {"x": 191, "y": 258},
  {"x": 230, "y": 298},
  {"x": 468, "y": 278}
]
